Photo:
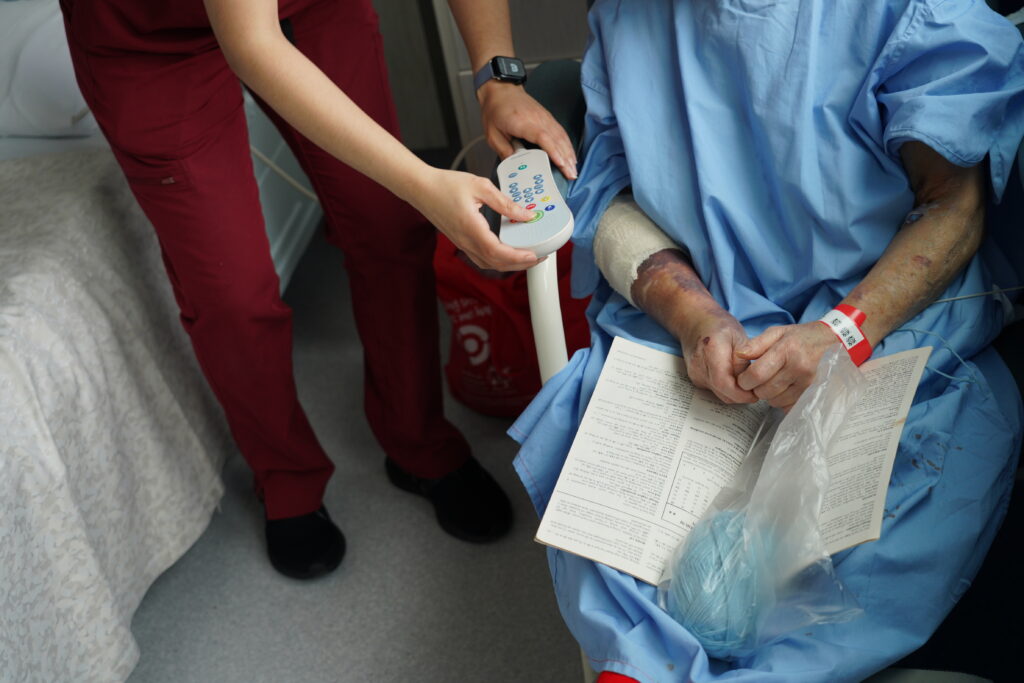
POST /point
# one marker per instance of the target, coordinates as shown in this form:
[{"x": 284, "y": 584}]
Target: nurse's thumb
[{"x": 502, "y": 203}]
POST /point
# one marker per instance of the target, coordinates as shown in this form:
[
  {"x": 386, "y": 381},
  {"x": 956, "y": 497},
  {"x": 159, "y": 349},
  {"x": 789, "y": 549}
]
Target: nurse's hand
[
  {"x": 508, "y": 111},
  {"x": 784, "y": 359},
  {"x": 451, "y": 200},
  {"x": 709, "y": 342}
]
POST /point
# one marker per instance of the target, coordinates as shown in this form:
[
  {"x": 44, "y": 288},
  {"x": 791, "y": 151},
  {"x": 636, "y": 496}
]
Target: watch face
[{"x": 510, "y": 69}]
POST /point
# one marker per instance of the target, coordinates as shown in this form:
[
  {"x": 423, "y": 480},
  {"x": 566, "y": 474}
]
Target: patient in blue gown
[{"x": 796, "y": 155}]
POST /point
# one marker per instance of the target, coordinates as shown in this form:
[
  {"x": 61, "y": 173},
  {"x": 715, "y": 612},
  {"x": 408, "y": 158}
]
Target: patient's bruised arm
[
  {"x": 655, "y": 274},
  {"x": 938, "y": 238},
  {"x": 669, "y": 290}
]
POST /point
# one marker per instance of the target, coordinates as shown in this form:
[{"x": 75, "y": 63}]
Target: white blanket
[{"x": 110, "y": 441}]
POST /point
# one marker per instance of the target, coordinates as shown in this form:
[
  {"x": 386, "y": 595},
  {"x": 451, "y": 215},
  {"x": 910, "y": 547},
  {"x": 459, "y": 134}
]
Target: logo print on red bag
[{"x": 476, "y": 343}]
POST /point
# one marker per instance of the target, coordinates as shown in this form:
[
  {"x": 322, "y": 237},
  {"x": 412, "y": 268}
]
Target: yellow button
[{"x": 545, "y": 199}]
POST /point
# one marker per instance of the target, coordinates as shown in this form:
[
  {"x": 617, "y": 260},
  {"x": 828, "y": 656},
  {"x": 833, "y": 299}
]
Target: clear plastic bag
[{"x": 755, "y": 566}]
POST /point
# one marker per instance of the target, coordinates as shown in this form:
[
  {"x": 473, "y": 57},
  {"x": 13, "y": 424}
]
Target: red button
[{"x": 531, "y": 206}]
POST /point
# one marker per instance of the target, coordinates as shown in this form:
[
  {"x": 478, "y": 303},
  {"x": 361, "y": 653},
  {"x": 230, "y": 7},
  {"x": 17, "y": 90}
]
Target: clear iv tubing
[{"x": 997, "y": 290}]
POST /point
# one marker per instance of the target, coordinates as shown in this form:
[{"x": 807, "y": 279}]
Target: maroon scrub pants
[{"x": 163, "y": 94}]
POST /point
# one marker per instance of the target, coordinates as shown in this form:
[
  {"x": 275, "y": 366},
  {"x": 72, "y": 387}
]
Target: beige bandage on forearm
[{"x": 625, "y": 238}]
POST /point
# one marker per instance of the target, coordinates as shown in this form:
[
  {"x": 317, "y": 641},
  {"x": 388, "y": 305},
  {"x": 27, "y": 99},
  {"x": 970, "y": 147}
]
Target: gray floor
[{"x": 408, "y": 603}]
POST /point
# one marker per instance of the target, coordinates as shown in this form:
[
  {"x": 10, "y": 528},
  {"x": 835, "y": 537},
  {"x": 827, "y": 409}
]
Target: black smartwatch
[{"x": 508, "y": 69}]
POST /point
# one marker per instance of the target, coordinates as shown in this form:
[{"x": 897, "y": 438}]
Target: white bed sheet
[{"x": 110, "y": 442}]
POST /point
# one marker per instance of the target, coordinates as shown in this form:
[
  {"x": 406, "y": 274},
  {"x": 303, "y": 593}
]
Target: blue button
[
  {"x": 536, "y": 177},
  {"x": 549, "y": 207},
  {"x": 512, "y": 175}
]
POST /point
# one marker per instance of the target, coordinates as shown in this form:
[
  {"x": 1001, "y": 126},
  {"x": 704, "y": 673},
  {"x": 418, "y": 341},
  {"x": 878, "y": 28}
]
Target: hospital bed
[
  {"x": 111, "y": 443},
  {"x": 556, "y": 86}
]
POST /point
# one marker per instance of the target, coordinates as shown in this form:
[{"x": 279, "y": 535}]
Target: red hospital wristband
[
  {"x": 612, "y": 677},
  {"x": 845, "y": 322}
]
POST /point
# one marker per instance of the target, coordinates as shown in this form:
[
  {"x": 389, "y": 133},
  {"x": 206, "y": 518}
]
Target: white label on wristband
[{"x": 845, "y": 329}]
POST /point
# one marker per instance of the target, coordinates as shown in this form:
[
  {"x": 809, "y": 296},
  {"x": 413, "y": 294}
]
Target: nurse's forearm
[
  {"x": 485, "y": 27},
  {"x": 937, "y": 240},
  {"x": 252, "y": 42}
]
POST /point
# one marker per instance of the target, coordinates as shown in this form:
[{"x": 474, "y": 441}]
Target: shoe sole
[
  {"x": 315, "y": 572},
  {"x": 408, "y": 483}
]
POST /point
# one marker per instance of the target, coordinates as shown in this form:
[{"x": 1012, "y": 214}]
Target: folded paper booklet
[{"x": 653, "y": 451}]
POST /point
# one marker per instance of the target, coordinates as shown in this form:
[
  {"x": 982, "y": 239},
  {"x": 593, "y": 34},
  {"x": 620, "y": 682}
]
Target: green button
[
  {"x": 537, "y": 215},
  {"x": 523, "y": 167}
]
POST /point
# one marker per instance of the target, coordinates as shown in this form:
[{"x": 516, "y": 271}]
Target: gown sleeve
[
  {"x": 604, "y": 172},
  {"x": 953, "y": 79}
]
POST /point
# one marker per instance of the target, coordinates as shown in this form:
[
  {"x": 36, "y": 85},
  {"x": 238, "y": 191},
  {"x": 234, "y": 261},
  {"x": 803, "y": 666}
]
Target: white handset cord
[
  {"x": 284, "y": 174},
  {"x": 288, "y": 178}
]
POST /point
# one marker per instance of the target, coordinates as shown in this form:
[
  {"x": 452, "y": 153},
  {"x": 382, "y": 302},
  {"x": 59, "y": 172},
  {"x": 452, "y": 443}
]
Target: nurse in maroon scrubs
[{"x": 163, "y": 81}]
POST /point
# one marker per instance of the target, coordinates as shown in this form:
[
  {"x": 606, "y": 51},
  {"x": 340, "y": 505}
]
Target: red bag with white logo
[{"x": 492, "y": 366}]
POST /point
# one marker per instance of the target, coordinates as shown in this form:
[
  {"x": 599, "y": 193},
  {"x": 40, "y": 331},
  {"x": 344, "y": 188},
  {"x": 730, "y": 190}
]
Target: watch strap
[
  {"x": 485, "y": 74},
  {"x": 494, "y": 70}
]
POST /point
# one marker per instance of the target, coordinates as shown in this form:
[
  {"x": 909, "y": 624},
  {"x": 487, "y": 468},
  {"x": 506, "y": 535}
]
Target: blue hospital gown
[{"x": 764, "y": 136}]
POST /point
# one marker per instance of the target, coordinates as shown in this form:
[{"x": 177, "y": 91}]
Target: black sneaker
[
  {"x": 305, "y": 547},
  {"x": 468, "y": 502}
]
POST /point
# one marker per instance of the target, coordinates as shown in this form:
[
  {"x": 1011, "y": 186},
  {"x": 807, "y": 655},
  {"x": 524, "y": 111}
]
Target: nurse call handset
[{"x": 526, "y": 178}]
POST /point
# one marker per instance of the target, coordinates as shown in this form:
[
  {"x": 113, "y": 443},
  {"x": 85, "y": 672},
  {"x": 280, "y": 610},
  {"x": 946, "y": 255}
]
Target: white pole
[
  {"x": 545, "y": 311},
  {"x": 546, "y": 316}
]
